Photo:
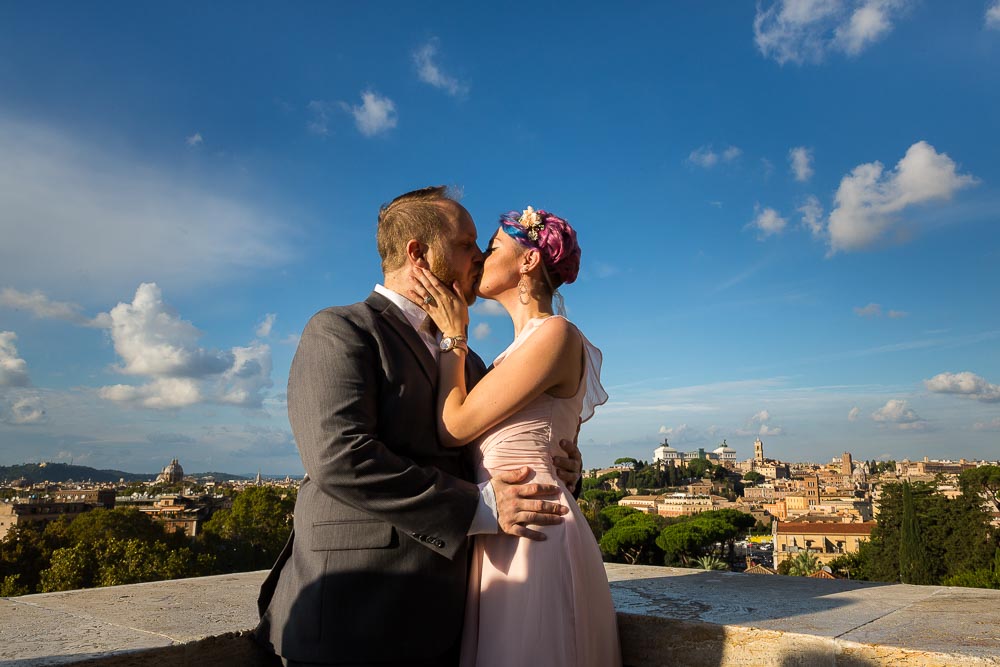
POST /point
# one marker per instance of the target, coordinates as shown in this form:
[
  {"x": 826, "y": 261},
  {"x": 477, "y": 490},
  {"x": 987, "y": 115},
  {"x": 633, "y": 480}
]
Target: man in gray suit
[{"x": 375, "y": 571}]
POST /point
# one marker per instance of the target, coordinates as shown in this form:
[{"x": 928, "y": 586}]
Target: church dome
[{"x": 172, "y": 473}]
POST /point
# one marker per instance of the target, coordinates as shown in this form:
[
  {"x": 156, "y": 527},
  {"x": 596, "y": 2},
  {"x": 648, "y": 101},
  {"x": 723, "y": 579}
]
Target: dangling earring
[{"x": 522, "y": 291}]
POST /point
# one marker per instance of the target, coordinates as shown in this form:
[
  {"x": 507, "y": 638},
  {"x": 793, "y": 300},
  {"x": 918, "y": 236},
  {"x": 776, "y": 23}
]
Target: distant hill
[{"x": 63, "y": 472}]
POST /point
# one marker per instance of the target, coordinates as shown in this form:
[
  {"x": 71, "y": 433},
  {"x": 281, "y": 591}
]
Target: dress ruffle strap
[{"x": 594, "y": 394}]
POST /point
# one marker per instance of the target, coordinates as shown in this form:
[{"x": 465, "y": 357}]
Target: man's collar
[{"x": 413, "y": 313}]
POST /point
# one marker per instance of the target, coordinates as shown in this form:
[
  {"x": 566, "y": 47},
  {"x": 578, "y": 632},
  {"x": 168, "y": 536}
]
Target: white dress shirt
[{"x": 485, "y": 520}]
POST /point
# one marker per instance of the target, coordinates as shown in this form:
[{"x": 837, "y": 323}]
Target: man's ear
[{"x": 416, "y": 254}]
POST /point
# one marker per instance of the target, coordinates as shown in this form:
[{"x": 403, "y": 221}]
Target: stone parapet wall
[{"x": 667, "y": 616}]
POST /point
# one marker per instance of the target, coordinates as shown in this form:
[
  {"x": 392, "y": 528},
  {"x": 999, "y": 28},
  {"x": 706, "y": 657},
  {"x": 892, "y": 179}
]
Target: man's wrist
[
  {"x": 485, "y": 520},
  {"x": 449, "y": 343}
]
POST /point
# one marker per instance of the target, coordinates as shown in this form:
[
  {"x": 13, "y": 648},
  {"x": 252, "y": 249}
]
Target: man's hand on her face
[{"x": 520, "y": 504}]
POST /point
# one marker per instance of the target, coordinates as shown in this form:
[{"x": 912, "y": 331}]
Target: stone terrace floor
[{"x": 667, "y": 616}]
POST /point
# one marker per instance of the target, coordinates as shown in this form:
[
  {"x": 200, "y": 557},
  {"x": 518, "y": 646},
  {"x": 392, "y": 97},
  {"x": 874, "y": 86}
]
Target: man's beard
[{"x": 447, "y": 275}]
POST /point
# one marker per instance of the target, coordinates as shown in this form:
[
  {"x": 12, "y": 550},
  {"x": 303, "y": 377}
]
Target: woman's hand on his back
[{"x": 443, "y": 303}]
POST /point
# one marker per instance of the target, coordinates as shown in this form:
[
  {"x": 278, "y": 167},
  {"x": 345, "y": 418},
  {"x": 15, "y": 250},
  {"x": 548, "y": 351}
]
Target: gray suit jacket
[{"x": 375, "y": 570}]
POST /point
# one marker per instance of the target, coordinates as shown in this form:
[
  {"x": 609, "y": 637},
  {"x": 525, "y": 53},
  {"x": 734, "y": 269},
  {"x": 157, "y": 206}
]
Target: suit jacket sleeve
[{"x": 333, "y": 410}]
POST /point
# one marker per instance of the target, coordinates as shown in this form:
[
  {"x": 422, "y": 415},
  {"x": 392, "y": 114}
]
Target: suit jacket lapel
[{"x": 391, "y": 314}]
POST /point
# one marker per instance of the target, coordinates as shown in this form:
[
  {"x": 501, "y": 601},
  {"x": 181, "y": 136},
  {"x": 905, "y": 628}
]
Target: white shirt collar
[{"x": 414, "y": 314}]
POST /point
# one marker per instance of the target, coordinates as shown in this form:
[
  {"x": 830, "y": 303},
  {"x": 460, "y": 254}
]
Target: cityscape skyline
[{"x": 788, "y": 213}]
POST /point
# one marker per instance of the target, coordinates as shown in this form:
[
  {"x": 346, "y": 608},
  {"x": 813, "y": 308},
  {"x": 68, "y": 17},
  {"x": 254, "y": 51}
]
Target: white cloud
[
  {"x": 875, "y": 310},
  {"x": 703, "y": 157},
  {"x": 489, "y": 307},
  {"x": 161, "y": 393},
  {"x": 41, "y": 307},
  {"x": 117, "y": 220},
  {"x": 677, "y": 434},
  {"x": 22, "y": 409},
  {"x": 13, "y": 369},
  {"x": 805, "y": 31},
  {"x": 758, "y": 425},
  {"x": 429, "y": 72},
  {"x": 993, "y": 15},
  {"x": 481, "y": 331},
  {"x": 319, "y": 122},
  {"x": 993, "y": 425},
  {"x": 768, "y": 222},
  {"x": 194, "y": 140},
  {"x": 897, "y": 413},
  {"x": 868, "y": 23},
  {"x": 375, "y": 115},
  {"x": 812, "y": 215},
  {"x": 243, "y": 383},
  {"x": 706, "y": 157},
  {"x": 153, "y": 341},
  {"x": 854, "y": 414},
  {"x": 264, "y": 328},
  {"x": 868, "y": 201},
  {"x": 871, "y": 310},
  {"x": 766, "y": 430},
  {"x": 731, "y": 153},
  {"x": 800, "y": 159},
  {"x": 964, "y": 384}
]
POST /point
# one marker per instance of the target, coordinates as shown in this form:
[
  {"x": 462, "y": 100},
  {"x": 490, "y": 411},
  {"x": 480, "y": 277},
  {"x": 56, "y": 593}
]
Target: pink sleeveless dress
[{"x": 540, "y": 603}]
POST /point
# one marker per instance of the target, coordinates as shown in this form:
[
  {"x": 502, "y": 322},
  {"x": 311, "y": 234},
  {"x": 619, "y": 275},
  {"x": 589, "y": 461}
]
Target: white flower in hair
[{"x": 532, "y": 223}]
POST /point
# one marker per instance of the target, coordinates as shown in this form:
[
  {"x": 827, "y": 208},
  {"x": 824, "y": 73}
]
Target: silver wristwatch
[{"x": 449, "y": 343}]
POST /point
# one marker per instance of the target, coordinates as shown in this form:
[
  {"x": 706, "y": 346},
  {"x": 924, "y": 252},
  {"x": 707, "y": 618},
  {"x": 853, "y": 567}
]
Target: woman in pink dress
[{"x": 530, "y": 602}]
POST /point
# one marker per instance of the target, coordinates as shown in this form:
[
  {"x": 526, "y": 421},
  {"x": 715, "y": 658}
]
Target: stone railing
[{"x": 667, "y": 616}]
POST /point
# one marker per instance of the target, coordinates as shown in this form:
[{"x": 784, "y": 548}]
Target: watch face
[{"x": 447, "y": 344}]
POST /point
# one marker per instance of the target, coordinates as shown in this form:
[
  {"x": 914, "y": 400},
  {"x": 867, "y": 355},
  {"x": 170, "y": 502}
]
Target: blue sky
[{"x": 788, "y": 212}]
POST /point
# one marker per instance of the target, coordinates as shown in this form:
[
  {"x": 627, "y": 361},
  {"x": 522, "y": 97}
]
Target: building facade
[{"x": 826, "y": 539}]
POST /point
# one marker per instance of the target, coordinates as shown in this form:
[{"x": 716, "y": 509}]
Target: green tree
[
  {"x": 691, "y": 537},
  {"x": 10, "y": 587},
  {"x": 26, "y": 550},
  {"x": 251, "y": 534},
  {"x": 913, "y": 556},
  {"x": 954, "y": 536},
  {"x": 711, "y": 563},
  {"x": 114, "y": 561},
  {"x": 803, "y": 564},
  {"x": 122, "y": 523},
  {"x": 633, "y": 539},
  {"x": 698, "y": 467},
  {"x": 848, "y": 565},
  {"x": 984, "y": 481},
  {"x": 612, "y": 514},
  {"x": 753, "y": 477},
  {"x": 71, "y": 568}
]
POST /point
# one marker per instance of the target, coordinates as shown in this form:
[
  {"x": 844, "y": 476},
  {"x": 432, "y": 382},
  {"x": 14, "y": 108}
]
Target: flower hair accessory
[
  {"x": 532, "y": 223},
  {"x": 555, "y": 240}
]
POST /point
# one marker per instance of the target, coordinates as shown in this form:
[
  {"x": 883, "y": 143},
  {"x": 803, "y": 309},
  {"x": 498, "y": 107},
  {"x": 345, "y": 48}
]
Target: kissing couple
[{"x": 437, "y": 524}]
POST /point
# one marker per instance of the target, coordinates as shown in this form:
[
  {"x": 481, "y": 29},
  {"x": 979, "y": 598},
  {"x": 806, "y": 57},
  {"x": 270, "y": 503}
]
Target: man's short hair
[{"x": 414, "y": 215}]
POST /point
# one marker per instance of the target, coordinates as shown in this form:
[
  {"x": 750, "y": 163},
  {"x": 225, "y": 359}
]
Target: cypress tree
[{"x": 913, "y": 566}]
